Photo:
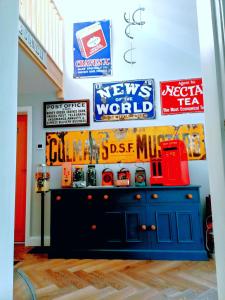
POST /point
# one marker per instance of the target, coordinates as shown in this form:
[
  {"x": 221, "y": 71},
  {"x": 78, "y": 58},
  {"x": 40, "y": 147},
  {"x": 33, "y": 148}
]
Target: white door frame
[{"x": 27, "y": 110}]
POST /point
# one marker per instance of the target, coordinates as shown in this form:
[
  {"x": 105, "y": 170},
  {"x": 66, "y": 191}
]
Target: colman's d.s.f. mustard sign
[{"x": 127, "y": 145}]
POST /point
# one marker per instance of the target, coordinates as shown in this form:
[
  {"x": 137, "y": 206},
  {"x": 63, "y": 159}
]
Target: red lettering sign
[{"x": 181, "y": 96}]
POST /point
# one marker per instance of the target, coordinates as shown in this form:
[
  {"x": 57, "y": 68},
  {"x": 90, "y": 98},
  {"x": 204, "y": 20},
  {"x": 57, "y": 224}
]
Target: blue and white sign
[
  {"x": 92, "y": 49},
  {"x": 124, "y": 100},
  {"x": 32, "y": 43}
]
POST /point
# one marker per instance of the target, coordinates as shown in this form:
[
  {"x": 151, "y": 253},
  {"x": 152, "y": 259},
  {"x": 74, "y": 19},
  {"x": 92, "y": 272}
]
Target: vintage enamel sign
[
  {"x": 92, "y": 48},
  {"x": 124, "y": 100},
  {"x": 181, "y": 96},
  {"x": 121, "y": 145}
]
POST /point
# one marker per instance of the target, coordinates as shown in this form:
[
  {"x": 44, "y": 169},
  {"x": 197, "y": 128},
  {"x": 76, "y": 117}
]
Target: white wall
[
  {"x": 211, "y": 34},
  {"x": 166, "y": 48},
  {"x": 38, "y": 157},
  {"x": 9, "y": 12}
]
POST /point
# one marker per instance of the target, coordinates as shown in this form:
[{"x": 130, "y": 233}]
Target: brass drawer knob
[
  {"x": 138, "y": 197},
  {"x": 189, "y": 196},
  {"x": 155, "y": 196},
  {"x": 106, "y": 197},
  {"x": 93, "y": 227},
  {"x": 58, "y": 198},
  {"x": 89, "y": 197},
  {"x": 153, "y": 227},
  {"x": 143, "y": 227}
]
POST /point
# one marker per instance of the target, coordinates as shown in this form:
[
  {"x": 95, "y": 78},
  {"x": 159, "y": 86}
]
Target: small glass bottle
[
  {"x": 78, "y": 174},
  {"x": 78, "y": 177},
  {"x": 91, "y": 175}
]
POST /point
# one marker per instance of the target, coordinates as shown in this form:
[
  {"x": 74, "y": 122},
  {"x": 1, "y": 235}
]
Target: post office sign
[{"x": 66, "y": 113}]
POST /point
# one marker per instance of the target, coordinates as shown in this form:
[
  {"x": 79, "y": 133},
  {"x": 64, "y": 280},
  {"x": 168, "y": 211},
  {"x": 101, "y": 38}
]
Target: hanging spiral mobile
[{"x": 132, "y": 21}]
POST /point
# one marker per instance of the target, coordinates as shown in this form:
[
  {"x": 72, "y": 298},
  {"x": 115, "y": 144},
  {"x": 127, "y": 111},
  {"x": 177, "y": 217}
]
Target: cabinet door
[
  {"x": 189, "y": 231},
  {"x": 135, "y": 227},
  {"x": 88, "y": 233},
  {"x": 125, "y": 228},
  {"x": 63, "y": 218},
  {"x": 175, "y": 227},
  {"x": 161, "y": 227},
  {"x": 113, "y": 228}
]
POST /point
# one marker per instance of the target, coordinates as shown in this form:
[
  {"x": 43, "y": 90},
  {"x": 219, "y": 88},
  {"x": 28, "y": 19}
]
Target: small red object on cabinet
[
  {"x": 123, "y": 174},
  {"x": 156, "y": 171},
  {"x": 107, "y": 177},
  {"x": 174, "y": 163},
  {"x": 66, "y": 174}
]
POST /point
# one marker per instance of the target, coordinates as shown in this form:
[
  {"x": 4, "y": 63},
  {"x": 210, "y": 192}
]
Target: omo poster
[
  {"x": 92, "y": 48},
  {"x": 181, "y": 96},
  {"x": 124, "y": 145}
]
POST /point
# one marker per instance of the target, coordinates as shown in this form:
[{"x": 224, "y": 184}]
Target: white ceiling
[{"x": 31, "y": 79}]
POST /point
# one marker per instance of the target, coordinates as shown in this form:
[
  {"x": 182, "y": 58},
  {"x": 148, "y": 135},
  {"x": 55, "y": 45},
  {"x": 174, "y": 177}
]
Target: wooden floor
[{"x": 95, "y": 279}]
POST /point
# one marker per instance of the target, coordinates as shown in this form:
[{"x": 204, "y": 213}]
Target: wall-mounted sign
[
  {"x": 127, "y": 145},
  {"x": 181, "y": 96},
  {"x": 66, "y": 113},
  {"x": 124, "y": 100},
  {"x": 92, "y": 48},
  {"x": 29, "y": 39}
]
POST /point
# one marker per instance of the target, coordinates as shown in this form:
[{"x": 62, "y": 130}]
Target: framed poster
[
  {"x": 124, "y": 100},
  {"x": 92, "y": 49},
  {"x": 181, "y": 96},
  {"x": 66, "y": 113}
]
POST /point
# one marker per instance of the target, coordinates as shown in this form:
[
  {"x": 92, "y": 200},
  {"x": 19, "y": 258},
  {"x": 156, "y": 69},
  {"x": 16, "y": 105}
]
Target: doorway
[
  {"x": 23, "y": 176},
  {"x": 21, "y": 179}
]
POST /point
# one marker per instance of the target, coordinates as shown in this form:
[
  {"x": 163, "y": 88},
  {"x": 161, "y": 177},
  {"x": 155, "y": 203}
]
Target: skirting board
[{"x": 36, "y": 241}]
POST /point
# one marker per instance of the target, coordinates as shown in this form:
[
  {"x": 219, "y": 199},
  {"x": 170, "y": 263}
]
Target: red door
[{"x": 21, "y": 178}]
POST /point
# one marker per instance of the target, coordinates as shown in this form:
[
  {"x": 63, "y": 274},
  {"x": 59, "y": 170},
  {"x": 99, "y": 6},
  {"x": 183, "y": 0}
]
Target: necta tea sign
[
  {"x": 181, "y": 96},
  {"x": 124, "y": 100}
]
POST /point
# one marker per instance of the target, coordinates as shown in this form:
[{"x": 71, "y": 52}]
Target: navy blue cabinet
[{"x": 145, "y": 223}]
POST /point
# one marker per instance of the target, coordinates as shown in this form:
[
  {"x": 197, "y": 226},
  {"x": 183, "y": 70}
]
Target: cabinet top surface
[{"x": 132, "y": 187}]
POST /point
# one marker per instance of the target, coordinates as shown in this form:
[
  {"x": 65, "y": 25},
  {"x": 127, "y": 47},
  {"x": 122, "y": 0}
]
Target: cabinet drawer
[
  {"x": 130, "y": 196},
  {"x": 115, "y": 197},
  {"x": 173, "y": 195}
]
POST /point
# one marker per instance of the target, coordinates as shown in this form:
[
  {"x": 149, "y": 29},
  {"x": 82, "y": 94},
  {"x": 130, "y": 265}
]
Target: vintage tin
[
  {"x": 66, "y": 174},
  {"x": 107, "y": 177},
  {"x": 140, "y": 177},
  {"x": 124, "y": 174}
]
